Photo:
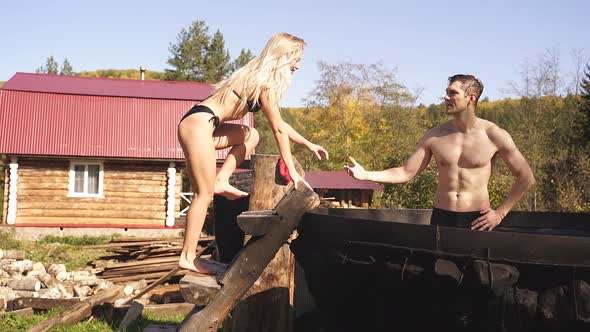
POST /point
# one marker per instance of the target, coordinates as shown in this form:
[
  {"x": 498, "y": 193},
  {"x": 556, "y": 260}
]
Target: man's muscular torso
[{"x": 464, "y": 161}]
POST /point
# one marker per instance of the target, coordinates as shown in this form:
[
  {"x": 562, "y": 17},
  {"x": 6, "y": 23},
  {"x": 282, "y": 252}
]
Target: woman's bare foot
[
  {"x": 196, "y": 265},
  {"x": 228, "y": 191}
]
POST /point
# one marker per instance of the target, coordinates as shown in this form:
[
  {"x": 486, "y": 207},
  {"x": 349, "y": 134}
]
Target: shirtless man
[{"x": 463, "y": 148}]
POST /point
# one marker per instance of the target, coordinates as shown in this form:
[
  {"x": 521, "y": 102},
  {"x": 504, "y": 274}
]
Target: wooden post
[
  {"x": 248, "y": 267},
  {"x": 267, "y": 306}
]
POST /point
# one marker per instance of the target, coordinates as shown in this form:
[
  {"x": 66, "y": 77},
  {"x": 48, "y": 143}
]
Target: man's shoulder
[
  {"x": 492, "y": 129},
  {"x": 496, "y": 134},
  {"x": 443, "y": 127}
]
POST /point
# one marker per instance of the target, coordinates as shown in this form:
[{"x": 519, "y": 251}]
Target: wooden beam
[
  {"x": 251, "y": 262},
  {"x": 40, "y": 303},
  {"x": 81, "y": 310}
]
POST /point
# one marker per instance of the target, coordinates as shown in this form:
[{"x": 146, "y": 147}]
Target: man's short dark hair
[{"x": 469, "y": 83}]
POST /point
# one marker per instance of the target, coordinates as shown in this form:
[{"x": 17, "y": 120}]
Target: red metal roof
[
  {"x": 95, "y": 117},
  {"x": 109, "y": 87},
  {"x": 338, "y": 180}
]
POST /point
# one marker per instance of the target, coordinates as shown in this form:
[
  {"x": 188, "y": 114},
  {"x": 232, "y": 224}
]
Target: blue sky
[{"x": 426, "y": 41}]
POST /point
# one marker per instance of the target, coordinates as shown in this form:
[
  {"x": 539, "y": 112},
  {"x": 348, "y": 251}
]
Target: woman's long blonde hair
[{"x": 270, "y": 68}]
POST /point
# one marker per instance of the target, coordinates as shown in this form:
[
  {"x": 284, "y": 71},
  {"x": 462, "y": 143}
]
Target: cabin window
[{"x": 86, "y": 179}]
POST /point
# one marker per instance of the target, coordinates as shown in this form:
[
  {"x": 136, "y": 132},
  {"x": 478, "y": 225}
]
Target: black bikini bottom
[
  {"x": 447, "y": 218},
  {"x": 202, "y": 109}
]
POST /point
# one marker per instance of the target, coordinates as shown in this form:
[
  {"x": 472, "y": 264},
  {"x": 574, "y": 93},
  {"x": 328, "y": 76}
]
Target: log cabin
[{"x": 95, "y": 152}]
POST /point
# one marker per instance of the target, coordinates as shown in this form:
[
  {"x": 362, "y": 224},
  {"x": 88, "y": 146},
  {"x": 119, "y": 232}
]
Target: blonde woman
[{"x": 258, "y": 86}]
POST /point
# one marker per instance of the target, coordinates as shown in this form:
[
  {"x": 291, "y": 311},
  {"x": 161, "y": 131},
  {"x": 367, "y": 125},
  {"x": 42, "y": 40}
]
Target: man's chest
[{"x": 463, "y": 150}]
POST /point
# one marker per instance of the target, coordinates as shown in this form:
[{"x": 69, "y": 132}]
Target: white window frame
[{"x": 72, "y": 181}]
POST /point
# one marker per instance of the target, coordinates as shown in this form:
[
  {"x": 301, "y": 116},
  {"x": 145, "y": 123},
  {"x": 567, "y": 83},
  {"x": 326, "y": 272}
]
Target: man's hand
[
  {"x": 320, "y": 152},
  {"x": 356, "y": 171},
  {"x": 488, "y": 221}
]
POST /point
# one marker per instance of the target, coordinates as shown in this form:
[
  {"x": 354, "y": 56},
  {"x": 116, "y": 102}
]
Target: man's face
[{"x": 456, "y": 100}]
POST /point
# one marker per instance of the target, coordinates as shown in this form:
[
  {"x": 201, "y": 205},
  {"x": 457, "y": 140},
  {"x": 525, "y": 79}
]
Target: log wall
[{"x": 134, "y": 194}]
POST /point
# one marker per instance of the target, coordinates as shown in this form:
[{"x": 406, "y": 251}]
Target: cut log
[
  {"x": 81, "y": 310},
  {"x": 198, "y": 289},
  {"x": 257, "y": 224},
  {"x": 26, "y": 284},
  {"x": 12, "y": 254},
  {"x": 133, "y": 286},
  {"x": 251, "y": 262}
]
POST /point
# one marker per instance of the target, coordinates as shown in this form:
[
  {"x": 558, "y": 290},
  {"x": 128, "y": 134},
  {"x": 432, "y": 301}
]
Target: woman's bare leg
[
  {"x": 242, "y": 140},
  {"x": 195, "y": 137}
]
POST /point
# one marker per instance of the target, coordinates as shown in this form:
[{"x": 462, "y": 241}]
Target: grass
[
  {"x": 53, "y": 249},
  {"x": 66, "y": 250},
  {"x": 16, "y": 324}
]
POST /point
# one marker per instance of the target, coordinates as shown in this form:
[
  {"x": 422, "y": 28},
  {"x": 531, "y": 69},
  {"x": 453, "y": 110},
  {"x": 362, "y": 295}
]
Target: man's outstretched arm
[{"x": 417, "y": 162}]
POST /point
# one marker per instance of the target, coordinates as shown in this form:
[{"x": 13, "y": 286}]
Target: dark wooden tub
[{"x": 389, "y": 270}]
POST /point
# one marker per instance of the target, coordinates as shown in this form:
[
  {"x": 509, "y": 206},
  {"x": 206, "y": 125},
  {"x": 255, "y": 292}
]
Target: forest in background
[{"x": 364, "y": 111}]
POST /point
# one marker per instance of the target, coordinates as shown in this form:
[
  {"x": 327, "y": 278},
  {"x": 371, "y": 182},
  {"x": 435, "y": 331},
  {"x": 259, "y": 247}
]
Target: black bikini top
[{"x": 250, "y": 104}]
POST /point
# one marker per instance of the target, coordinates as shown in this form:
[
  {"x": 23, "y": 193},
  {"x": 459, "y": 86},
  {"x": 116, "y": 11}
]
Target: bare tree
[
  {"x": 540, "y": 78},
  {"x": 578, "y": 60}
]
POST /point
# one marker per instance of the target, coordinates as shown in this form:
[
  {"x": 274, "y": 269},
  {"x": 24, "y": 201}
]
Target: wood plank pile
[{"x": 135, "y": 259}]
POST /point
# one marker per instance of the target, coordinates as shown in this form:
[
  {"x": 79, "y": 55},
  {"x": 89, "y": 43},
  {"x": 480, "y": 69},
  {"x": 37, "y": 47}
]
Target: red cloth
[{"x": 284, "y": 171}]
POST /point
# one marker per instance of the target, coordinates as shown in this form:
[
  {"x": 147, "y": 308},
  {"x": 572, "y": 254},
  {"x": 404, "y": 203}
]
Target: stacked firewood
[
  {"x": 24, "y": 279},
  {"x": 135, "y": 259}
]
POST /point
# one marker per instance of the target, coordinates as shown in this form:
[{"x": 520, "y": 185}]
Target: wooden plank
[
  {"x": 138, "y": 269},
  {"x": 170, "y": 274},
  {"x": 141, "y": 263},
  {"x": 248, "y": 266},
  {"x": 81, "y": 310},
  {"x": 169, "y": 309},
  {"x": 40, "y": 303}
]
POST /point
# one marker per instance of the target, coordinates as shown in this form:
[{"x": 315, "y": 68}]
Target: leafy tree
[
  {"x": 242, "y": 59},
  {"x": 50, "y": 67},
  {"x": 66, "y": 68},
  {"x": 132, "y": 74},
  {"x": 189, "y": 54},
  {"x": 217, "y": 60}
]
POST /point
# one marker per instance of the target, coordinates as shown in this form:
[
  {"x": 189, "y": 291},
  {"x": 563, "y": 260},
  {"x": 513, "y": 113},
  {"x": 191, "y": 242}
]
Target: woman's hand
[
  {"x": 319, "y": 151},
  {"x": 356, "y": 171},
  {"x": 297, "y": 178}
]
